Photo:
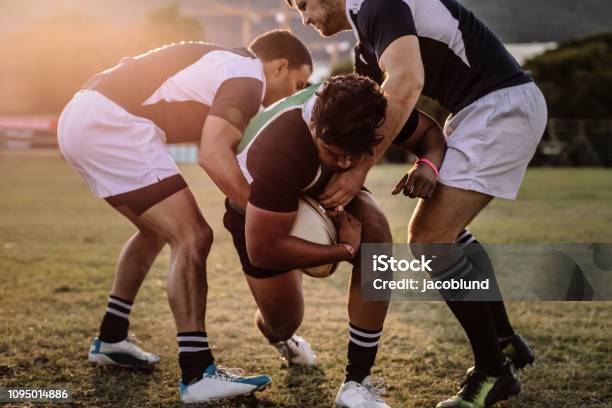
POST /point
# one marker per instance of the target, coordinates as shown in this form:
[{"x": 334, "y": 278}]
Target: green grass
[{"x": 58, "y": 246}]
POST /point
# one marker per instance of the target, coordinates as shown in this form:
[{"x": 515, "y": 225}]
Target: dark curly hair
[{"x": 348, "y": 111}]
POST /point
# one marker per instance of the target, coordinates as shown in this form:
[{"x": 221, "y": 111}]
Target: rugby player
[
  {"x": 438, "y": 48},
  {"x": 292, "y": 149},
  {"x": 113, "y": 133}
]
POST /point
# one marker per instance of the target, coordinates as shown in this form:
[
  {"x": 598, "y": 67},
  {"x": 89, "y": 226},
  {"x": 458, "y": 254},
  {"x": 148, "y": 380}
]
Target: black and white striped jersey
[
  {"x": 178, "y": 85},
  {"x": 463, "y": 59}
]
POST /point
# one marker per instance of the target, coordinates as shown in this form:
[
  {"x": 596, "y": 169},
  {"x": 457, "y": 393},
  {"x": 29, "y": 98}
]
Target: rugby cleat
[
  {"x": 360, "y": 395},
  {"x": 220, "y": 383},
  {"x": 518, "y": 351},
  {"x": 480, "y": 390},
  {"x": 123, "y": 354},
  {"x": 296, "y": 351}
]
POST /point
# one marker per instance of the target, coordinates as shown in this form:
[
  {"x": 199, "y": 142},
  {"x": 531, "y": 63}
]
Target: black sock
[
  {"x": 194, "y": 355},
  {"x": 477, "y": 254},
  {"x": 475, "y": 317},
  {"x": 476, "y": 320},
  {"x": 362, "y": 349},
  {"x": 115, "y": 323}
]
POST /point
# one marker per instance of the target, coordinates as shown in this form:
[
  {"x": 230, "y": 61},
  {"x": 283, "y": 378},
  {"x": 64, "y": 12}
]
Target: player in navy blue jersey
[{"x": 438, "y": 48}]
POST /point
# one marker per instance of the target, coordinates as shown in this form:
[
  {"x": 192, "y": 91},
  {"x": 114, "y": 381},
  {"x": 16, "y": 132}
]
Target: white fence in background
[
  {"x": 568, "y": 142},
  {"x": 184, "y": 153}
]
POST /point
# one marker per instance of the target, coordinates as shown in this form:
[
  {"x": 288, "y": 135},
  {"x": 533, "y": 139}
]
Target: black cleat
[
  {"x": 518, "y": 351},
  {"x": 480, "y": 390}
]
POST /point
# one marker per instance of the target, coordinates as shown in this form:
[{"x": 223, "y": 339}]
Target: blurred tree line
[
  {"x": 51, "y": 61},
  {"x": 576, "y": 78}
]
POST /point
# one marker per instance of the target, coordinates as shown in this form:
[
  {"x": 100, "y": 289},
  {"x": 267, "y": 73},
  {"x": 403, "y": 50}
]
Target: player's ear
[{"x": 281, "y": 66}]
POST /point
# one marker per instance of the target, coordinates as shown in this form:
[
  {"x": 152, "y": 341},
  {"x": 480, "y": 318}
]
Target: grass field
[{"x": 58, "y": 247}]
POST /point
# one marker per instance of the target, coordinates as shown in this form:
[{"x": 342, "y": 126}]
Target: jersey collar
[
  {"x": 352, "y": 8},
  {"x": 308, "y": 107}
]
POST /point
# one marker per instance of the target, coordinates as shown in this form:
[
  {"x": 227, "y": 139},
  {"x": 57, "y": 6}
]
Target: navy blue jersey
[{"x": 463, "y": 59}]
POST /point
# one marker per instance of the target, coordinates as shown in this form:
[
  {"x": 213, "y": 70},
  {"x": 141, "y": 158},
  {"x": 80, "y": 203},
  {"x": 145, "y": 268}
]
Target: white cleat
[
  {"x": 296, "y": 351},
  {"x": 355, "y": 395},
  {"x": 122, "y": 354},
  {"x": 219, "y": 383}
]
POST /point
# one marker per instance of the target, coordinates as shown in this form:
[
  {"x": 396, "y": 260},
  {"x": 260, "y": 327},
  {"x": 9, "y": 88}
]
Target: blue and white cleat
[
  {"x": 221, "y": 382},
  {"x": 123, "y": 354}
]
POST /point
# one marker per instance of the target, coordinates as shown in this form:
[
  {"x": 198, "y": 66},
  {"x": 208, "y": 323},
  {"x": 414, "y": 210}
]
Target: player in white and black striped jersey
[{"x": 439, "y": 48}]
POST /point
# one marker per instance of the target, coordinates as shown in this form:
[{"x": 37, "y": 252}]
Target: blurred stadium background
[{"x": 53, "y": 47}]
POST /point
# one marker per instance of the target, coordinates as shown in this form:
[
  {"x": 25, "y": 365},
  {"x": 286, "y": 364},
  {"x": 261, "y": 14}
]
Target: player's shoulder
[
  {"x": 284, "y": 148},
  {"x": 288, "y": 130},
  {"x": 380, "y": 7},
  {"x": 286, "y": 136},
  {"x": 219, "y": 64},
  {"x": 374, "y": 16},
  {"x": 231, "y": 64}
]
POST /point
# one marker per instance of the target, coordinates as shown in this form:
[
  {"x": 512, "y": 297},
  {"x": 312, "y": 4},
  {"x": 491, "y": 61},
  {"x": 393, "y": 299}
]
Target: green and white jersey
[{"x": 277, "y": 154}]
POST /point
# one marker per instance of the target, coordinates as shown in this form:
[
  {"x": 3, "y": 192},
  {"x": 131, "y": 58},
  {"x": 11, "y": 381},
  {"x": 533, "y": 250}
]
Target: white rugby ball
[{"x": 312, "y": 224}]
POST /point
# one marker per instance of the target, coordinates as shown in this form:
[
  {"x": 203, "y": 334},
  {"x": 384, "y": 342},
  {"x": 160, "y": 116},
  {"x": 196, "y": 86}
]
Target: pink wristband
[
  {"x": 349, "y": 248},
  {"x": 430, "y": 164}
]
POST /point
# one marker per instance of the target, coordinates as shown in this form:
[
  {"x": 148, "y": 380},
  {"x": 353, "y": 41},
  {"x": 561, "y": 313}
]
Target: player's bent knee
[
  {"x": 284, "y": 325},
  {"x": 376, "y": 229},
  {"x": 421, "y": 233},
  {"x": 196, "y": 241},
  {"x": 152, "y": 239},
  {"x": 285, "y": 329},
  {"x": 423, "y": 237}
]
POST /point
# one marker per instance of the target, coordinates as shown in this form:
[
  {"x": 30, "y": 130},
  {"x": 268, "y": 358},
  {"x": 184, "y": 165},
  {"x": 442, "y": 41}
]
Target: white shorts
[
  {"x": 111, "y": 149},
  {"x": 491, "y": 141}
]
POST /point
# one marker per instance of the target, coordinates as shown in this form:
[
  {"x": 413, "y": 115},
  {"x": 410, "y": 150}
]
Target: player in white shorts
[
  {"x": 438, "y": 48},
  {"x": 291, "y": 150},
  {"x": 113, "y": 133}
]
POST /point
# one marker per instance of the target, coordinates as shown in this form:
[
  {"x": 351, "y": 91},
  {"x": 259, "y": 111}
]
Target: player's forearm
[
  {"x": 294, "y": 253},
  {"x": 432, "y": 146},
  {"x": 224, "y": 171},
  {"x": 401, "y": 100}
]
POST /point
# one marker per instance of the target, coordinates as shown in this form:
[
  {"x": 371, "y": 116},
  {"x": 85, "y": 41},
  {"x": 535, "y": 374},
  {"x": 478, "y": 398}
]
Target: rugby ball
[{"x": 312, "y": 224}]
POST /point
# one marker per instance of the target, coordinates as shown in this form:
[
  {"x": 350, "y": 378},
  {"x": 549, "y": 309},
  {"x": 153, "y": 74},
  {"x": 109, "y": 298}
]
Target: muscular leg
[
  {"x": 280, "y": 303},
  {"x": 374, "y": 229},
  {"x": 136, "y": 258},
  {"x": 440, "y": 220},
  {"x": 134, "y": 263},
  {"x": 179, "y": 222},
  {"x": 366, "y": 318},
  {"x": 478, "y": 255}
]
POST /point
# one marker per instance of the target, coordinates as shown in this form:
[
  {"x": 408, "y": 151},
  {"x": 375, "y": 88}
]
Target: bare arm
[
  {"x": 402, "y": 63},
  {"x": 269, "y": 244},
  {"x": 218, "y": 158},
  {"x": 427, "y": 142}
]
